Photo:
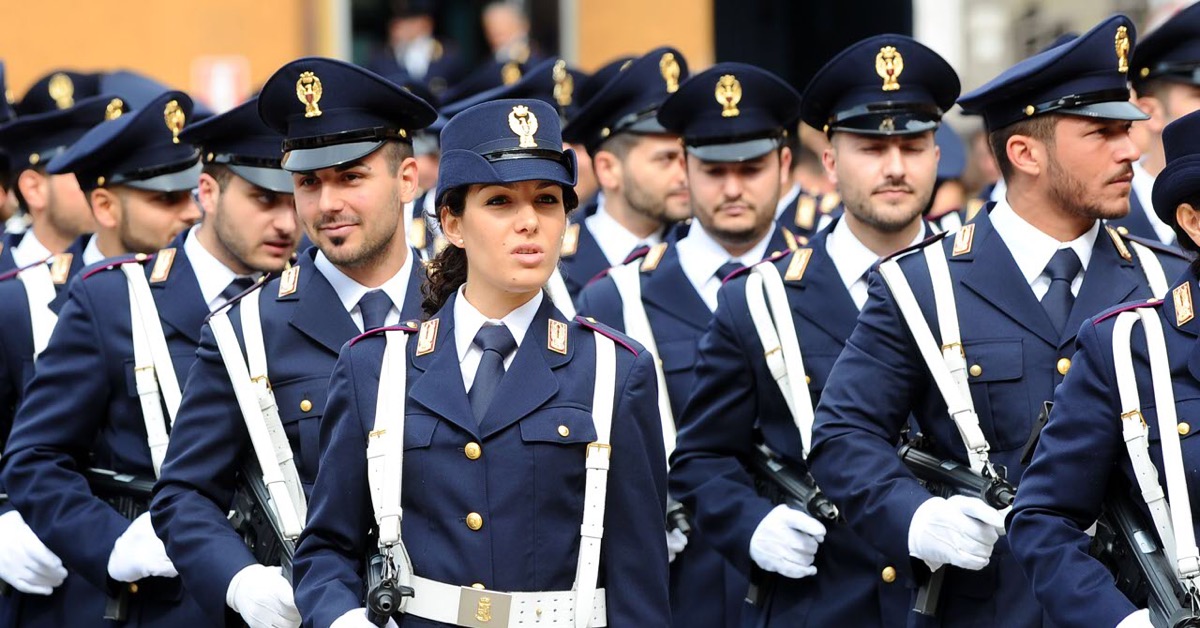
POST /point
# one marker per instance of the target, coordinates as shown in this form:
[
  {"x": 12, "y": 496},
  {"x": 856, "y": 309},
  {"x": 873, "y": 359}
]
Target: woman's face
[{"x": 511, "y": 234}]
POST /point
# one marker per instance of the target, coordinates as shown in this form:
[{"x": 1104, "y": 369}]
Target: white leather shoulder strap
[
  {"x": 628, "y": 281},
  {"x": 599, "y": 456},
  {"x": 559, "y": 295},
  {"x": 154, "y": 372},
  {"x": 1152, "y": 268},
  {"x": 39, "y": 292}
]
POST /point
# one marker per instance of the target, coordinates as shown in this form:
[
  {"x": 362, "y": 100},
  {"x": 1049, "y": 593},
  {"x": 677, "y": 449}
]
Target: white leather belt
[{"x": 468, "y": 606}]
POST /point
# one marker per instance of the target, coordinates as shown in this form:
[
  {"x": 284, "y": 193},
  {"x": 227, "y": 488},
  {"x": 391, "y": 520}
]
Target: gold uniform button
[
  {"x": 1122, "y": 231},
  {"x": 133, "y": 588},
  {"x": 141, "y": 257},
  {"x": 976, "y": 370},
  {"x": 889, "y": 574},
  {"x": 478, "y": 585},
  {"x": 564, "y": 431},
  {"x": 1183, "y": 428},
  {"x": 305, "y": 405},
  {"x": 808, "y": 379},
  {"x": 474, "y": 521},
  {"x": 1064, "y": 365},
  {"x": 472, "y": 451}
]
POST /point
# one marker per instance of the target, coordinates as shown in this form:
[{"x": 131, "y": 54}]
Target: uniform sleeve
[
  {"x": 333, "y": 546},
  {"x": 716, "y": 432},
  {"x": 863, "y": 408},
  {"x": 601, "y": 301},
  {"x": 53, "y": 434},
  {"x": 199, "y": 475},
  {"x": 635, "y": 550},
  {"x": 1062, "y": 492}
]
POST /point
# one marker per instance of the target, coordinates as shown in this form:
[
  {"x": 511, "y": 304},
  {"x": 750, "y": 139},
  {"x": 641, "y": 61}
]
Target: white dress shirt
[
  {"x": 350, "y": 291},
  {"x": 29, "y": 250},
  {"x": 1032, "y": 249},
  {"x": 91, "y": 252},
  {"x": 853, "y": 259},
  {"x": 468, "y": 321},
  {"x": 616, "y": 242},
  {"x": 701, "y": 256},
  {"x": 212, "y": 275},
  {"x": 416, "y": 57},
  {"x": 1143, "y": 187}
]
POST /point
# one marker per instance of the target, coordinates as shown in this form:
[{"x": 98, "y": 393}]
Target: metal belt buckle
[
  {"x": 483, "y": 608},
  {"x": 600, "y": 447}
]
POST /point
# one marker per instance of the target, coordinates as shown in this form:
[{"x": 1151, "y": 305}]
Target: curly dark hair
[{"x": 447, "y": 271}]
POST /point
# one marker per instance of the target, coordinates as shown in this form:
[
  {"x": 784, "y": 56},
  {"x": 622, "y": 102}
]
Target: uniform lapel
[
  {"x": 1109, "y": 279},
  {"x": 412, "y": 294},
  {"x": 1190, "y": 326},
  {"x": 439, "y": 385},
  {"x": 820, "y": 297},
  {"x": 76, "y": 250},
  {"x": 178, "y": 297},
  {"x": 319, "y": 313},
  {"x": 667, "y": 289},
  {"x": 995, "y": 277},
  {"x": 529, "y": 381}
]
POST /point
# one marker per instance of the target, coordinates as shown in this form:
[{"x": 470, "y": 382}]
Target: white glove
[
  {"x": 785, "y": 542},
  {"x": 959, "y": 531},
  {"x": 25, "y": 563},
  {"x": 676, "y": 541},
  {"x": 1137, "y": 619},
  {"x": 357, "y": 618},
  {"x": 263, "y": 597},
  {"x": 138, "y": 554}
]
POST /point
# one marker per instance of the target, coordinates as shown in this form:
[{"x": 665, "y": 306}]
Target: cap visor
[
  {"x": 515, "y": 170},
  {"x": 1114, "y": 110},
  {"x": 272, "y": 179},
  {"x": 173, "y": 182},
  {"x": 310, "y": 159},
  {"x": 735, "y": 152},
  {"x": 648, "y": 126}
]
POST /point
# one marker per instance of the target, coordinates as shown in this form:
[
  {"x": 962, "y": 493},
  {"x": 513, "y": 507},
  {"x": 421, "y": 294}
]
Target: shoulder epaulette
[
  {"x": 829, "y": 202},
  {"x": 806, "y": 211},
  {"x": 746, "y": 269},
  {"x": 1125, "y": 307},
  {"x": 1154, "y": 244},
  {"x": 407, "y": 327},
  {"x": 918, "y": 246},
  {"x": 289, "y": 281},
  {"x": 570, "y": 241},
  {"x": 606, "y": 331},
  {"x": 653, "y": 257},
  {"x": 163, "y": 262},
  {"x": 140, "y": 258}
]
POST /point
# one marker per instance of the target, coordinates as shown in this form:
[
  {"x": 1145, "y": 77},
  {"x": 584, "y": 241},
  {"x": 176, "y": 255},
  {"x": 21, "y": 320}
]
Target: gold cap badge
[
  {"x": 1122, "y": 45},
  {"x": 564, "y": 84},
  {"x": 115, "y": 108},
  {"x": 729, "y": 94},
  {"x": 175, "y": 117},
  {"x": 62, "y": 90},
  {"x": 889, "y": 63},
  {"x": 669, "y": 67},
  {"x": 510, "y": 73},
  {"x": 522, "y": 122},
  {"x": 308, "y": 90}
]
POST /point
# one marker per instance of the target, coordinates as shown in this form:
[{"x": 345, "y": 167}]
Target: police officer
[
  {"x": 1084, "y": 459},
  {"x": 506, "y": 403},
  {"x": 98, "y": 397},
  {"x": 1163, "y": 72},
  {"x": 638, "y": 165},
  {"x": 806, "y": 209},
  {"x": 414, "y": 51},
  {"x": 352, "y": 170},
  {"x": 1018, "y": 280},
  {"x": 884, "y": 160},
  {"x": 585, "y": 88}
]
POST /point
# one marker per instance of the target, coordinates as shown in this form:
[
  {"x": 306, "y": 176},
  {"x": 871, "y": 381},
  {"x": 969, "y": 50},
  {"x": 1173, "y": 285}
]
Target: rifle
[
  {"x": 946, "y": 478},
  {"x": 1130, "y": 549},
  {"x": 384, "y": 593},
  {"x": 678, "y": 517},
  {"x": 254, "y": 519},
  {"x": 130, "y": 496}
]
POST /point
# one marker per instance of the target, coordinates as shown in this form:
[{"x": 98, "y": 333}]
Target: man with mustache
[
  {"x": 736, "y": 163},
  {"x": 990, "y": 312},
  {"x": 883, "y": 159},
  {"x": 348, "y": 148},
  {"x": 638, "y": 165}
]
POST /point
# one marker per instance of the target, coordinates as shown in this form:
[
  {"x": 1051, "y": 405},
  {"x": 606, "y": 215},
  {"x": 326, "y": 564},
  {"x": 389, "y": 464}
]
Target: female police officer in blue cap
[
  {"x": 475, "y": 446},
  {"x": 1119, "y": 441}
]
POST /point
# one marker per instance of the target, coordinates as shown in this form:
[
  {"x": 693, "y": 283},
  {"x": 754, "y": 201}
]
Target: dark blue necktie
[
  {"x": 1061, "y": 270},
  {"x": 497, "y": 342},
  {"x": 236, "y": 287},
  {"x": 374, "y": 307},
  {"x": 728, "y": 268}
]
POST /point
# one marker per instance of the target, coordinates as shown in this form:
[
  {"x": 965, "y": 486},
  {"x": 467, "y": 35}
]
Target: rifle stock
[{"x": 254, "y": 519}]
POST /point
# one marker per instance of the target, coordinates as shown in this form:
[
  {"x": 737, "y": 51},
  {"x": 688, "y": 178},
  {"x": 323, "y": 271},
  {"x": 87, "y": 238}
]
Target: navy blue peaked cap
[
  {"x": 60, "y": 89},
  {"x": 953, "y": 160},
  {"x": 1171, "y": 51},
  {"x": 141, "y": 149},
  {"x": 1086, "y": 76},
  {"x": 490, "y": 75},
  {"x": 332, "y": 112},
  {"x": 35, "y": 139},
  {"x": 241, "y": 141},
  {"x": 138, "y": 90},
  {"x": 596, "y": 82},
  {"x": 731, "y": 112},
  {"x": 551, "y": 81},
  {"x": 504, "y": 141},
  {"x": 882, "y": 85},
  {"x": 1179, "y": 181},
  {"x": 629, "y": 102}
]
